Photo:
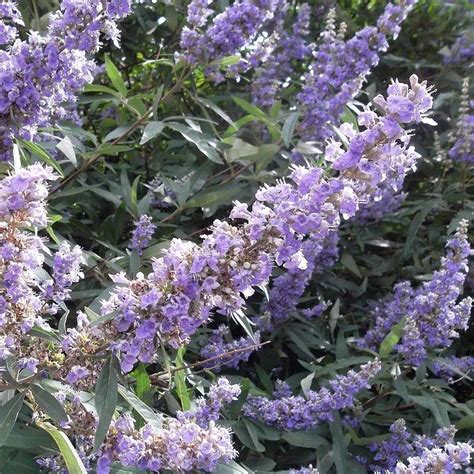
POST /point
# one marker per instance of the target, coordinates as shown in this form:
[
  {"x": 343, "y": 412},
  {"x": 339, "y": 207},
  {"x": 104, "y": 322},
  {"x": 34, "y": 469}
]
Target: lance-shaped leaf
[
  {"x": 106, "y": 393},
  {"x": 49, "y": 404},
  {"x": 71, "y": 458},
  {"x": 8, "y": 415}
]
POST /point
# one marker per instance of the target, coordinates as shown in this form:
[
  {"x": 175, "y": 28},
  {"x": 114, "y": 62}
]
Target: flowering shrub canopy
[{"x": 235, "y": 237}]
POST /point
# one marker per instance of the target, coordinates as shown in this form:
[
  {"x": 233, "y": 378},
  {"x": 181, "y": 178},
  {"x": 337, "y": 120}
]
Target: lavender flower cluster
[
  {"x": 229, "y": 33},
  {"x": 276, "y": 54},
  {"x": 432, "y": 316},
  {"x": 451, "y": 368},
  {"x": 190, "y": 442},
  {"x": 26, "y": 296},
  {"x": 39, "y": 76},
  {"x": 462, "y": 51},
  {"x": 463, "y": 147},
  {"x": 340, "y": 67},
  {"x": 448, "y": 459},
  {"x": 142, "y": 234},
  {"x": 384, "y": 168},
  {"x": 297, "y": 412},
  {"x": 228, "y": 354},
  {"x": 404, "y": 452},
  {"x": 191, "y": 280}
]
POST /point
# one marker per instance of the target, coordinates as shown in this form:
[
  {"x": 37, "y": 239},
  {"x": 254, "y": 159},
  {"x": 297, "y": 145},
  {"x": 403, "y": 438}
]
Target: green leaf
[
  {"x": 49, "y": 404},
  {"x": 304, "y": 439},
  {"x": 27, "y": 437},
  {"x": 306, "y": 383},
  {"x": 66, "y": 146},
  {"x": 215, "y": 195},
  {"x": 246, "y": 437},
  {"x": 100, "y": 88},
  {"x": 151, "y": 130},
  {"x": 258, "y": 446},
  {"x": 42, "y": 154},
  {"x": 230, "y": 468},
  {"x": 202, "y": 141},
  {"x": 115, "y": 77},
  {"x": 339, "y": 445},
  {"x": 235, "y": 127},
  {"x": 250, "y": 108},
  {"x": 216, "y": 109},
  {"x": 264, "y": 378},
  {"x": 180, "y": 380},
  {"x": 8, "y": 415},
  {"x": 226, "y": 61},
  {"x": 106, "y": 391},
  {"x": 244, "y": 322},
  {"x": 415, "y": 226},
  {"x": 435, "y": 407},
  {"x": 143, "y": 385},
  {"x": 238, "y": 404},
  {"x": 391, "y": 339},
  {"x": 156, "y": 101},
  {"x": 240, "y": 149},
  {"x": 116, "y": 133},
  {"x": 141, "y": 408},
  {"x": 48, "y": 334},
  {"x": 18, "y": 461},
  {"x": 334, "y": 315},
  {"x": 71, "y": 458},
  {"x": 289, "y": 128},
  {"x": 134, "y": 262},
  {"x": 465, "y": 423},
  {"x": 349, "y": 117},
  {"x": 348, "y": 261}
]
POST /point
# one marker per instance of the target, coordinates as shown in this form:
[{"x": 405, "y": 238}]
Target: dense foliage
[{"x": 234, "y": 236}]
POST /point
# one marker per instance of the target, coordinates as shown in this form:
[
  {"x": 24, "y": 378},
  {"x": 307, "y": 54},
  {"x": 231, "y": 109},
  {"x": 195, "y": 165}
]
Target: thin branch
[{"x": 206, "y": 361}]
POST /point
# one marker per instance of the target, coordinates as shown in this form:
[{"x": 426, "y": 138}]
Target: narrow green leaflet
[
  {"x": 106, "y": 394},
  {"x": 250, "y": 108},
  {"x": 143, "y": 385},
  {"x": 27, "y": 437},
  {"x": 391, "y": 339},
  {"x": 151, "y": 130},
  {"x": 339, "y": 445},
  {"x": 415, "y": 226},
  {"x": 16, "y": 461},
  {"x": 141, "y": 408},
  {"x": 115, "y": 77},
  {"x": 180, "y": 381},
  {"x": 213, "y": 196},
  {"x": 289, "y": 128},
  {"x": 8, "y": 415},
  {"x": 66, "y": 146},
  {"x": 42, "y": 154},
  {"x": 49, "y": 404},
  {"x": 237, "y": 405},
  {"x": 71, "y": 458},
  {"x": 230, "y": 468}
]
